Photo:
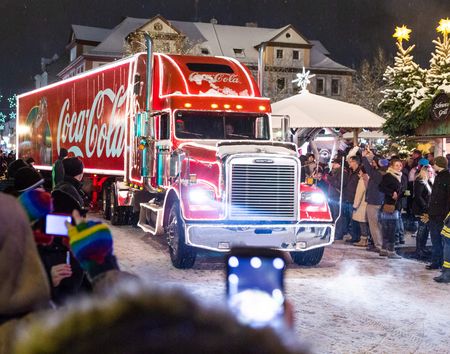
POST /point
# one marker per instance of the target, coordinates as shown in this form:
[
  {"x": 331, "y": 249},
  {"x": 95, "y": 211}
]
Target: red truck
[{"x": 186, "y": 142}]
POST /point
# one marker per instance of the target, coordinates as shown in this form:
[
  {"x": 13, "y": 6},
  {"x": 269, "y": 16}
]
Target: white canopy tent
[{"x": 307, "y": 110}]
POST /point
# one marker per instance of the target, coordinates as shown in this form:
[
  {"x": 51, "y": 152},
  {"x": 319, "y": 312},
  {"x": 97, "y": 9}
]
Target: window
[
  {"x": 73, "y": 53},
  {"x": 281, "y": 83},
  {"x": 295, "y": 54},
  {"x": 204, "y": 51},
  {"x": 279, "y": 53},
  {"x": 320, "y": 85},
  {"x": 239, "y": 52},
  {"x": 335, "y": 87},
  {"x": 288, "y": 35},
  {"x": 212, "y": 125},
  {"x": 210, "y": 68},
  {"x": 164, "y": 132}
]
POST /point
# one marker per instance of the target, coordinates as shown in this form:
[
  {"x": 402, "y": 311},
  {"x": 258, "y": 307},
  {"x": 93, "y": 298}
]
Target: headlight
[
  {"x": 201, "y": 196},
  {"x": 313, "y": 197}
]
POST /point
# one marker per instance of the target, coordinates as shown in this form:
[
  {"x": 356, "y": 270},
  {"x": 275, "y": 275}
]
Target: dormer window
[
  {"x": 239, "y": 52},
  {"x": 73, "y": 53},
  {"x": 204, "y": 51}
]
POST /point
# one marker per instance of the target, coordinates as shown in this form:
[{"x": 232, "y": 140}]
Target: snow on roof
[
  {"x": 113, "y": 44},
  {"x": 307, "y": 110},
  {"x": 223, "y": 39},
  {"x": 319, "y": 59},
  {"x": 233, "y": 41},
  {"x": 86, "y": 33}
]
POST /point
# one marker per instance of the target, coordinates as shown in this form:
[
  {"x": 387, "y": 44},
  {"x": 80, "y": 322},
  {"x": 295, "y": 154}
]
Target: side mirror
[{"x": 259, "y": 128}]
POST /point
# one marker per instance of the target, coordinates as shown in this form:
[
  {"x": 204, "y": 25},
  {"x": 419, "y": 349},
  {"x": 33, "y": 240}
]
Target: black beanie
[
  {"x": 14, "y": 166},
  {"x": 73, "y": 166},
  {"x": 27, "y": 178}
]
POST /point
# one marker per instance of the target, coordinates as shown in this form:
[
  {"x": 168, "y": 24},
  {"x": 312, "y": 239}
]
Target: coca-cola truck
[{"x": 184, "y": 143}]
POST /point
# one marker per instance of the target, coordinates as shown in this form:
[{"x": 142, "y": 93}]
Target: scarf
[{"x": 397, "y": 175}]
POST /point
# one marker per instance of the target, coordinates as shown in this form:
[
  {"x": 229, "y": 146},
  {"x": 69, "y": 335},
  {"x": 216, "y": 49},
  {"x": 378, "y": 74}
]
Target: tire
[
  {"x": 106, "y": 200},
  {"x": 308, "y": 258},
  {"x": 181, "y": 255}
]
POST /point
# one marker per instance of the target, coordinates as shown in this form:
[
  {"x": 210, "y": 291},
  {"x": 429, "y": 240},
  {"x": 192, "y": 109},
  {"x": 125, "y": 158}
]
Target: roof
[
  {"x": 307, "y": 110},
  {"x": 93, "y": 34},
  {"x": 113, "y": 44},
  {"x": 320, "y": 60},
  {"x": 218, "y": 39}
]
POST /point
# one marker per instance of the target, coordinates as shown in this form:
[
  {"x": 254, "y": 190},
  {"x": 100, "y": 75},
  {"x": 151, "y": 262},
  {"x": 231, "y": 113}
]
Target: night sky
[{"x": 350, "y": 29}]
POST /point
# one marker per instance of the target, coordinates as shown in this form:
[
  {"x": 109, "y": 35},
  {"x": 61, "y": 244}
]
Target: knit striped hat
[
  {"x": 37, "y": 203},
  {"x": 91, "y": 242}
]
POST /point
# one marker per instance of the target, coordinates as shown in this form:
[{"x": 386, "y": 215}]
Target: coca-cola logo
[
  {"x": 213, "y": 78},
  {"x": 440, "y": 108},
  {"x": 87, "y": 133}
]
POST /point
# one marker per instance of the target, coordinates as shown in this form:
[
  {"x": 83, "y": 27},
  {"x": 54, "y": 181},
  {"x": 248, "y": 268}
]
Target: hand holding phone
[{"x": 255, "y": 286}]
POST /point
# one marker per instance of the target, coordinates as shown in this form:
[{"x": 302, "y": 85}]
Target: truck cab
[{"x": 213, "y": 175}]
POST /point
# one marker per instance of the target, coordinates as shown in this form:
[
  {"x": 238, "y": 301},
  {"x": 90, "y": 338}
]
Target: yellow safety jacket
[{"x": 446, "y": 233}]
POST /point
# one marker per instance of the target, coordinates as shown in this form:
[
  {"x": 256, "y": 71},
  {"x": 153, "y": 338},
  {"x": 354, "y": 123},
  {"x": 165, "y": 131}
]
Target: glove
[
  {"x": 92, "y": 245},
  {"x": 424, "y": 218}
]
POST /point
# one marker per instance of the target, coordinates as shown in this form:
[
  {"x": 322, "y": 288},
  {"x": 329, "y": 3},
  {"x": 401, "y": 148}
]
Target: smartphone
[
  {"x": 255, "y": 286},
  {"x": 55, "y": 224}
]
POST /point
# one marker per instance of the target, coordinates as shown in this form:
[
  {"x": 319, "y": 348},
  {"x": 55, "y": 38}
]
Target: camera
[
  {"x": 55, "y": 224},
  {"x": 255, "y": 286}
]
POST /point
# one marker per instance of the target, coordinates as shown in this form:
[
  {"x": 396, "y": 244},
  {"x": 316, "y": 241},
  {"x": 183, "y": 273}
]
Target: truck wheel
[
  {"x": 181, "y": 255},
  {"x": 106, "y": 201},
  {"x": 308, "y": 258}
]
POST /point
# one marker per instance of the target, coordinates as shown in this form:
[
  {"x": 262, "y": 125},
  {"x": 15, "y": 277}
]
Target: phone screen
[
  {"x": 255, "y": 289},
  {"x": 55, "y": 224}
]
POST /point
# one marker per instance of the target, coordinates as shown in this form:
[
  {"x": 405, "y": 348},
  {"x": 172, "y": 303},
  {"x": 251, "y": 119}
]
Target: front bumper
[{"x": 285, "y": 237}]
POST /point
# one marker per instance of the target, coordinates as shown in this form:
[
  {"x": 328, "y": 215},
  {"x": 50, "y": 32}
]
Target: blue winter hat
[
  {"x": 424, "y": 162},
  {"x": 383, "y": 163}
]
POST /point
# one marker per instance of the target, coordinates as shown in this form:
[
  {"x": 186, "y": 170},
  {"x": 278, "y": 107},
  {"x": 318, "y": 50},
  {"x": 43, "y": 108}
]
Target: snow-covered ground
[{"x": 353, "y": 302}]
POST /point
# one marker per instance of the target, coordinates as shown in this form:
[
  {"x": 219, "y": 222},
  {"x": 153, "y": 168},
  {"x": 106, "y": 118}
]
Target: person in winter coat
[
  {"x": 360, "y": 208},
  {"x": 24, "y": 286},
  {"x": 25, "y": 289},
  {"x": 348, "y": 196},
  {"x": 13, "y": 167},
  {"x": 421, "y": 199},
  {"x": 391, "y": 186},
  {"x": 376, "y": 168},
  {"x": 64, "y": 272},
  {"x": 334, "y": 181},
  {"x": 438, "y": 209},
  {"x": 68, "y": 195},
  {"x": 444, "y": 277},
  {"x": 58, "y": 168}
]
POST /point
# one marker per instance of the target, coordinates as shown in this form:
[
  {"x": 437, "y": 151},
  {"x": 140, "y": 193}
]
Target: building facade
[{"x": 285, "y": 51}]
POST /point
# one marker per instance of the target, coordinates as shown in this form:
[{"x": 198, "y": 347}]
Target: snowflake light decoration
[{"x": 302, "y": 79}]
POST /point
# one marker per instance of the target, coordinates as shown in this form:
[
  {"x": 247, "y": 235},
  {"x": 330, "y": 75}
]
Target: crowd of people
[
  {"x": 42, "y": 273},
  {"x": 382, "y": 197}
]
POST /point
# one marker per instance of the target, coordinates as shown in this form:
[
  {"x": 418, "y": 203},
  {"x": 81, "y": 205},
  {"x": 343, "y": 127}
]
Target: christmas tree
[
  {"x": 404, "y": 86},
  {"x": 438, "y": 76}
]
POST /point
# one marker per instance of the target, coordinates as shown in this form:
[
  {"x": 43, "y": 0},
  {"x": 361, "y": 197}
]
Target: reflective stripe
[
  {"x": 446, "y": 264},
  {"x": 445, "y": 232}
]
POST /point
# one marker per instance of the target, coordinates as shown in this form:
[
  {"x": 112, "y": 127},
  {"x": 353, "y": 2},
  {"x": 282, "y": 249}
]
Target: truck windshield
[{"x": 220, "y": 125}]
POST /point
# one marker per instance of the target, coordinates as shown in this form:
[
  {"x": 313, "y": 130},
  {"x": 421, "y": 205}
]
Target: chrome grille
[{"x": 263, "y": 191}]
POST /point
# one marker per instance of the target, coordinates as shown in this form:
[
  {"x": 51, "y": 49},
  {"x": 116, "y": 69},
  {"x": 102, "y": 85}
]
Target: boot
[
  {"x": 383, "y": 252},
  {"x": 444, "y": 277},
  {"x": 393, "y": 255},
  {"x": 363, "y": 242}
]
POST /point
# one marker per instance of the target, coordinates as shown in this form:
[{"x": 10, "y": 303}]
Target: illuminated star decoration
[
  {"x": 302, "y": 79},
  {"x": 444, "y": 26},
  {"x": 402, "y": 33}
]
